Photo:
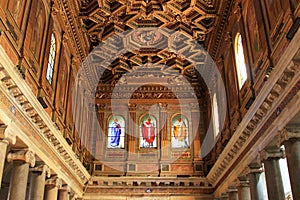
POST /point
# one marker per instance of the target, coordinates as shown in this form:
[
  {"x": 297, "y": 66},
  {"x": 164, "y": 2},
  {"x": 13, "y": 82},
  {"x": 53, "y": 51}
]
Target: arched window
[
  {"x": 240, "y": 60},
  {"x": 51, "y": 60},
  {"x": 116, "y": 132},
  {"x": 148, "y": 137},
  {"x": 180, "y": 131},
  {"x": 216, "y": 116}
]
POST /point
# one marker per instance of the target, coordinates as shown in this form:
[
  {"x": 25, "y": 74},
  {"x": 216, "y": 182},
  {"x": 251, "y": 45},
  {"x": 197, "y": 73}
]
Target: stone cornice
[
  {"x": 16, "y": 89},
  {"x": 284, "y": 80}
]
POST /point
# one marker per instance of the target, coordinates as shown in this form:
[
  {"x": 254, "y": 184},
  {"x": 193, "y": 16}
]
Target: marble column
[
  {"x": 256, "y": 187},
  {"x": 9, "y": 138},
  {"x": 244, "y": 188},
  {"x": 232, "y": 193},
  {"x": 290, "y": 137},
  {"x": 18, "y": 182},
  {"x": 3, "y": 149},
  {"x": 274, "y": 182},
  {"x": 51, "y": 189},
  {"x": 63, "y": 193},
  {"x": 37, "y": 182}
]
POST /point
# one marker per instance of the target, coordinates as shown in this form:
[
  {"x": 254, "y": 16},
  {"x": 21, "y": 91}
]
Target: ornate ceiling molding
[{"x": 90, "y": 22}]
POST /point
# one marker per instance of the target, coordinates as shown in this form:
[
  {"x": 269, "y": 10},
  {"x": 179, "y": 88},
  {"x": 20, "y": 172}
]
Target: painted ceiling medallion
[{"x": 147, "y": 37}]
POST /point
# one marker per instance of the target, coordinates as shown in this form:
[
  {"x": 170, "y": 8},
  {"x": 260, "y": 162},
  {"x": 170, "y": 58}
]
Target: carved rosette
[{"x": 22, "y": 155}]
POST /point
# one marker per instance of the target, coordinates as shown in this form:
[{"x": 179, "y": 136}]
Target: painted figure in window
[
  {"x": 115, "y": 133},
  {"x": 180, "y": 133},
  {"x": 148, "y": 133}
]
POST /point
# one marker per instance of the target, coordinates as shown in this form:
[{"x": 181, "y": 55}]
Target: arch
[
  {"x": 116, "y": 132},
  {"x": 148, "y": 131},
  {"x": 180, "y": 131},
  {"x": 240, "y": 62}
]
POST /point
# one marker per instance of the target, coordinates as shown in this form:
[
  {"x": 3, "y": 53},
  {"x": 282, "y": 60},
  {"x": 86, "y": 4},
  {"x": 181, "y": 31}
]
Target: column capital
[
  {"x": 287, "y": 134},
  {"x": 267, "y": 154},
  {"x": 54, "y": 181},
  {"x": 224, "y": 195},
  {"x": 132, "y": 107},
  {"x": 22, "y": 155},
  {"x": 43, "y": 169},
  {"x": 163, "y": 107},
  {"x": 194, "y": 107},
  {"x": 232, "y": 188},
  {"x": 255, "y": 167},
  {"x": 243, "y": 181},
  {"x": 7, "y": 135},
  {"x": 65, "y": 187}
]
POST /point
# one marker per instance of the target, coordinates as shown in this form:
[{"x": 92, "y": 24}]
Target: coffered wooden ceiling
[{"x": 202, "y": 21}]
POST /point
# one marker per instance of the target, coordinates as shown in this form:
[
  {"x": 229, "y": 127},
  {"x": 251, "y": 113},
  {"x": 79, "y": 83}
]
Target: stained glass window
[
  {"x": 148, "y": 132},
  {"x": 180, "y": 131},
  {"x": 51, "y": 60},
  {"x": 240, "y": 61},
  {"x": 116, "y": 132}
]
